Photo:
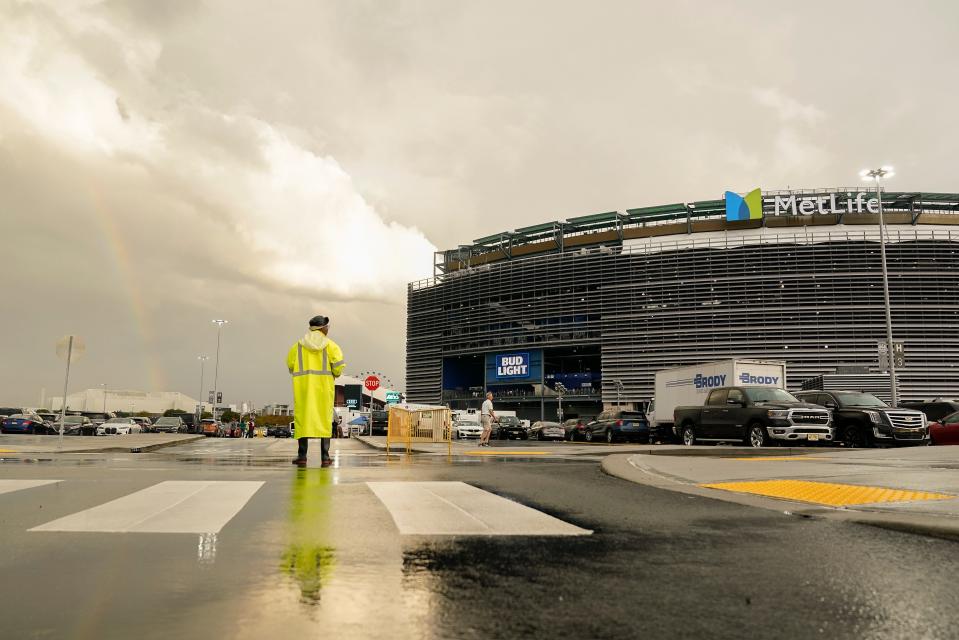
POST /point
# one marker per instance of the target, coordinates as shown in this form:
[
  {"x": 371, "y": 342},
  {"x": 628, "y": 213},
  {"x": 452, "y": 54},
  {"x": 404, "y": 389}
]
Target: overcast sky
[{"x": 164, "y": 163}]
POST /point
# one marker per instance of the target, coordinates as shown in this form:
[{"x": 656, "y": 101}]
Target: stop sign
[{"x": 372, "y": 383}]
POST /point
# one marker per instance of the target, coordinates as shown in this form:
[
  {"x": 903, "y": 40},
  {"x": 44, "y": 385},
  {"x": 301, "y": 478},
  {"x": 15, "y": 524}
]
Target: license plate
[{"x": 812, "y": 437}]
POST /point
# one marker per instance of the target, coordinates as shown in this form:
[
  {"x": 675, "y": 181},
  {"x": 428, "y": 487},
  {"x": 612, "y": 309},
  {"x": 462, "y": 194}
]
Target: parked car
[
  {"x": 49, "y": 417},
  {"x": 77, "y": 426},
  {"x": 863, "y": 420},
  {"x": 98, "y": 417},
  {"x": 211, "y": 428},
  {"x": 614, "y": 425},
  {"x": 280, "y": 430},
  {"x": 168, "y": 424},
  {"x": 119, "y": 427},
  {"x": 29, "y": 423},
  {"x": 508, "y": 428},
  {"x": 935, "y": 410},
  {"x": 189, "y": 422},
  {"x": 758, "y": 416},
  {"x": 381, "y": 422},
  {"x": 543, "y": 430},
  {"x": 945, "y": 430},
  {"x": 6, "y": 412},
  {"x": 146, "y": 425},
  {"x": 575, "y": 428},
  {"x": 467, "y": 428}
]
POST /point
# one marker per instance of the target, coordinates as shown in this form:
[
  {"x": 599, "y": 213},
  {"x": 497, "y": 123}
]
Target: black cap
[{"x": 318, "y": 322}]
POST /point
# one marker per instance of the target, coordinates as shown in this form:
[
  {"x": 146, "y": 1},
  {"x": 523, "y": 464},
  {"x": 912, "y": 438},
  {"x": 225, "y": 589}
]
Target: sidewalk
[
  {"x": 134, "y": 443},
  {"x": 914, "y": 489}
]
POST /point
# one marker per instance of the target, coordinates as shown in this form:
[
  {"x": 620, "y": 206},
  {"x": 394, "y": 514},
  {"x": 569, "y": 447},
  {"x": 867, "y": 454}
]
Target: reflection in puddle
[
  {"x": 206, "y": 548},
  {"x": 307, "y": 558}
]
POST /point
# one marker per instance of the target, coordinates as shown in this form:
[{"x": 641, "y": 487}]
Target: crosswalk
[{"x": 206, "y": 507}]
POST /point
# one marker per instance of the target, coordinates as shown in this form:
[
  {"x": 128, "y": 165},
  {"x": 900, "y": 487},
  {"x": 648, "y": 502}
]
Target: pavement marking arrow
[
  {"x": 174, "y": 506},
  {"x": 456, "y": 508}
]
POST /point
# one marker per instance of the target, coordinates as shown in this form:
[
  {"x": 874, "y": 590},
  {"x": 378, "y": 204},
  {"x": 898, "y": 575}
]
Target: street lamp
[
  {"x": 199, "y": 416},
  {"x": 878, "y": 175},
  {"x": 560, "y": 390},
  {"x": 103, "y": 387},
  {"x": 216, "y": 369},
  {"x": 619, "y": 388}
]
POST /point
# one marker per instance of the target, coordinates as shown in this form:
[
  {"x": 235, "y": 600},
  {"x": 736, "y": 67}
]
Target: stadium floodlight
[
  {"x": 878, "y": 175},
  {"x": 216, "y": 369}
]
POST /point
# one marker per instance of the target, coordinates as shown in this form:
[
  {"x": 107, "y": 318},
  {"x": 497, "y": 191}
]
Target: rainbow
[{"x": 116, "y": 248}]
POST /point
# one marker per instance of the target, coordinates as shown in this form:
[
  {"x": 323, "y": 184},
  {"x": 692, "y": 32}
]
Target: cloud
[
  {"x": 301, "y": 222},
  {"x": 788, "y": 109}
]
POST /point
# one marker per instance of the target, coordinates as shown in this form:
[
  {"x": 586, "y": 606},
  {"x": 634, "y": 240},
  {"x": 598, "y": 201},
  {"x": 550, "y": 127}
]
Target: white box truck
[{"x": 689, "y": 385}]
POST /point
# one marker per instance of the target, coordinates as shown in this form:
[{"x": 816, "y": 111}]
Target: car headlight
[
  {"x": 874, "y": 416},
  {"x": 778, "y": 413}
]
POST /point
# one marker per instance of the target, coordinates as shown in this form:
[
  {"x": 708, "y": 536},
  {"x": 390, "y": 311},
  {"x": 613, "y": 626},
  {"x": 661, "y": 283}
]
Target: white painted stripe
[
  {"x": 8, "y": 486},
  {"x": 174, "y": 506},
  {"x": 456, "y": 508}
]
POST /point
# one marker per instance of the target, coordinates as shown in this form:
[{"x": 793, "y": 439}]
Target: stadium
[{"x": 598, "y": 303}]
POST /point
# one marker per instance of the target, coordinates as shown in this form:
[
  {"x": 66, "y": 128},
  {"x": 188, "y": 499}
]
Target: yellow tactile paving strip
[
  {"x": 507, "y": 453},
  {"x": 826, "y": 493},
  {"x": 776, "y": 458}
]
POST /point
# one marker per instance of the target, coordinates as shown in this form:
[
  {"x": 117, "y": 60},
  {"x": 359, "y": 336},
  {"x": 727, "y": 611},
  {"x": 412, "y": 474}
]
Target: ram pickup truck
[{"x": 758, "y": 416}]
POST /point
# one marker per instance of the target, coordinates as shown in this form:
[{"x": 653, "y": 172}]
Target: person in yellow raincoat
[{"x": 315, "y": 362}]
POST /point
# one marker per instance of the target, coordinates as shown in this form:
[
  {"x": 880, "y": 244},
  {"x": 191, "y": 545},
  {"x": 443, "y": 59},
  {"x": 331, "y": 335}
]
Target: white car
[
  {"x": 467, "y": 429},
  {"x": 119, "y": 427}
]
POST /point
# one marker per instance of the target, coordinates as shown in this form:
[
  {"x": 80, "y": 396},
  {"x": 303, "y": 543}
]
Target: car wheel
[
  {"x": 854, "y": 437},
  {"x": 689, "y": 435},
  {"x": 609, "y": 436},
  {"x": 758, "y": 437},
  {"x": 589, "y": 436}
]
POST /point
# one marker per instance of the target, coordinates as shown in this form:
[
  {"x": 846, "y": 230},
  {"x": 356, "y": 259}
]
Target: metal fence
[{"x": 408, "y": 425}]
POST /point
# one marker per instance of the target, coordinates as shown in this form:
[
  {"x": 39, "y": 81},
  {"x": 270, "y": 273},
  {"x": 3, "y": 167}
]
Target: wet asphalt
[{"x": 314, "y": 554}]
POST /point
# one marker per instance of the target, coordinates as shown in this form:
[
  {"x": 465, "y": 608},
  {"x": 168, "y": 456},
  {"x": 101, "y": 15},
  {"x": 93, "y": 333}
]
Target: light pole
[
  {"x": 199, "y": 413},
  {"x": 619, "y": 388},
  {"x": 878, "y": 175},
  {"x": 216, "y": 369},
  {"x": 103, "y": 386},
  {"x": 560, "y": 390}
]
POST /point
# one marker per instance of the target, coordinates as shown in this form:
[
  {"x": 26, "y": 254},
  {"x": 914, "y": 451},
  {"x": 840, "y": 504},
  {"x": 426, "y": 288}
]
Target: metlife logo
[{"x": 751, "y": 205}]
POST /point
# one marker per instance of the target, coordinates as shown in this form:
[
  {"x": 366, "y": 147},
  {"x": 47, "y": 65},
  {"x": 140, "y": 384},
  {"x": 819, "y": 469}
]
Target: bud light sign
[{"x": 512, "y": 365}]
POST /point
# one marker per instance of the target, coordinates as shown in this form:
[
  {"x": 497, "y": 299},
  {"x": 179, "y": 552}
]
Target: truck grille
[
  {"x": 905, "y": 419},
  {"x": 810, "y": 417}
]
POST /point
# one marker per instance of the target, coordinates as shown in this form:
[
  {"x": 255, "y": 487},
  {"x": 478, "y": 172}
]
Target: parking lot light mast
[
  {"x": 202, "y": 360},
  {"x": 619, "y": 388},
  {"x": 878, "y": 175},
  {"x": 216, "y": 368},
  {"x": 103, "y": 386},
  {"x": 560, "y": 390}
]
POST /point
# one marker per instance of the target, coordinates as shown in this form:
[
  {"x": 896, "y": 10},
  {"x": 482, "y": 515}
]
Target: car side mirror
[
  {"x": 830, "y": 405},
  {"x": 735, "y": 403}
]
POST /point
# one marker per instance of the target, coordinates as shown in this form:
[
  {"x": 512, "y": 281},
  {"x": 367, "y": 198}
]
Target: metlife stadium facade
[{"x": 599, "y": 303}]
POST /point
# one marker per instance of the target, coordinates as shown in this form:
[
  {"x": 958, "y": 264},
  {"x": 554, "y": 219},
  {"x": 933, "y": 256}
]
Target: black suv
[
  {"x": 863, "y": 420},
  {"x": 381, "y": 422},
  {"x": 509, "y": 427},
  {"x": 935, "y": 410}
]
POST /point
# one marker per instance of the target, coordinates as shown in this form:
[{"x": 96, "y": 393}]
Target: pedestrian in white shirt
[{"x": 487, "y": 416}]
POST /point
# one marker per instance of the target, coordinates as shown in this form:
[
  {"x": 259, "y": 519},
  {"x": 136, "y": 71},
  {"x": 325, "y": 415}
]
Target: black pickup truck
[{"x": 758, "y": 416}]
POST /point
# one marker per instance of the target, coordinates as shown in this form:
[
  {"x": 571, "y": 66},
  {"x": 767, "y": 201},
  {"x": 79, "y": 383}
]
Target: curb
[
  {"x": 945, "y": 527},
  {"x": 143, "y": 449}
]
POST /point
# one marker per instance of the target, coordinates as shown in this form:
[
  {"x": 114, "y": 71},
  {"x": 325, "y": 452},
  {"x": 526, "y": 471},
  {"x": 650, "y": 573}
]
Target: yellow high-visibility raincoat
[{"x": 315, "y": 362}]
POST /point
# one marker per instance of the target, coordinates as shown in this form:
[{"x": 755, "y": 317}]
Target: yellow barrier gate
[{"x": 411, "y": 424}]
